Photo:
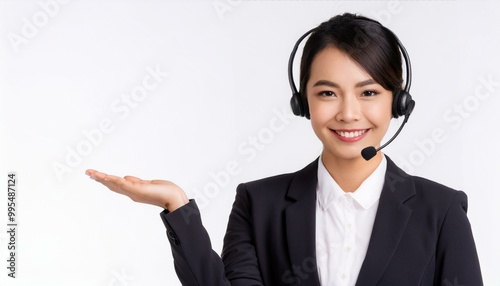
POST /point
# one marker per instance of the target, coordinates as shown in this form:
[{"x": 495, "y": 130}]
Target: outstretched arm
[{"x": 195, "y": 261}]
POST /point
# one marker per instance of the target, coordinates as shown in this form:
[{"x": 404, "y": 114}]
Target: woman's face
[{"x": 349, "y": 110}]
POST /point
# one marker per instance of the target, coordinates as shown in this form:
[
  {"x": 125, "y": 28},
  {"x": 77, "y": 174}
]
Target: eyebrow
[{"x": 335, "y": 85}]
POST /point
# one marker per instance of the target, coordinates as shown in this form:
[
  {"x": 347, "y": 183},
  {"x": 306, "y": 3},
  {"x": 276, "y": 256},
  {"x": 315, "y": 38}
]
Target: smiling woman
[
  {"x": 341, "y": 220},
  {"x": 349, "y": 110}
]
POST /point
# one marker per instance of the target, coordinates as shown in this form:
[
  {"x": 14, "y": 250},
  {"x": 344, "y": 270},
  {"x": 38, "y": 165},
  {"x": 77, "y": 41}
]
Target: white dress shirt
[{"x": 344, "y": 223}]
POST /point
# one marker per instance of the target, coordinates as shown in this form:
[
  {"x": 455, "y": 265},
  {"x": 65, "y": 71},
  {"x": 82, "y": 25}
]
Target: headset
[{"x": 402, "y": 104}]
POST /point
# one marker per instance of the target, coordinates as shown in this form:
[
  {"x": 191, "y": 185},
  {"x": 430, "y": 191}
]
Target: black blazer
[{"x": 421, "y": 236}]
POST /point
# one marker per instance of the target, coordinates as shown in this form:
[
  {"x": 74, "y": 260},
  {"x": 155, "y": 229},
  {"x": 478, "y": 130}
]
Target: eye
[
  {"x": 369, "y": 93},
  {"x": 326, "y": 93}
]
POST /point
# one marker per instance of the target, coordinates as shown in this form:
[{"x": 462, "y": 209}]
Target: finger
[
  {"x": 89, "y": 172},
  {"x": 118, "y": 185},
  {"x": 98, "y": 176},
  {"x": 130, "y": 186},
  {"x": 160, "y": 182},
  {"x": 132, "y": 179}
]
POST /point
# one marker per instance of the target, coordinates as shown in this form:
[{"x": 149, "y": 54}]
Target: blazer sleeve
[
  {"x": 194, "y": 260},
  {"x": 457, "y": 262}
]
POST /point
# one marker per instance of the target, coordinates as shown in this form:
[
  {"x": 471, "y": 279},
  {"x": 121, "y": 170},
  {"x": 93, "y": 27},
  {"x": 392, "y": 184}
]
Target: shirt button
[
  {"x": 343, "y": 277},
  {"x": 347, "y": 249}
]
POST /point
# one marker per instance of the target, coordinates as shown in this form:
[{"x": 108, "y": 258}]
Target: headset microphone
[
  {"x": 370, "y": 152},
  {"x": 402, "y": 104}
]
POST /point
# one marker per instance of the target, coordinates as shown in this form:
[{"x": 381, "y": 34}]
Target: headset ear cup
[
  {"x": 305, "y": 107},
  {"x": 402, "y": 104},
  {"x": 395, "y": 104},
  {"x": 296, "y": 104}
]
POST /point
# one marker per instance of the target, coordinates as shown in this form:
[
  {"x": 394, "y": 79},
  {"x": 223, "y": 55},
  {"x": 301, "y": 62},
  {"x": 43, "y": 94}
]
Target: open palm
[{"x": 164, "y": 194}]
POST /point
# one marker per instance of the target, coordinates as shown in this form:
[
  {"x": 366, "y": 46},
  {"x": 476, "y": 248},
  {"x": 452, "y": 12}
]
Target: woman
[{"x": 342, "y": 220}]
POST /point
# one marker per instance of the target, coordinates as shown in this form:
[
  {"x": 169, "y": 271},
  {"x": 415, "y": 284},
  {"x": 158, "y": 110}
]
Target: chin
[{"x": 343, "y": 154}]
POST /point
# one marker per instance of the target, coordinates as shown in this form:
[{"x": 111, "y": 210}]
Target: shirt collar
[{"x": 366, "y": 195}]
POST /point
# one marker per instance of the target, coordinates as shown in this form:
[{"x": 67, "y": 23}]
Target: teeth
[{"x": 350, "y": 134}]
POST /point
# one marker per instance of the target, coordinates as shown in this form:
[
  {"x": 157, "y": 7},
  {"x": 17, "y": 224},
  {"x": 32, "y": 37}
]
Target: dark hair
[{"x": 374, "y": 47}]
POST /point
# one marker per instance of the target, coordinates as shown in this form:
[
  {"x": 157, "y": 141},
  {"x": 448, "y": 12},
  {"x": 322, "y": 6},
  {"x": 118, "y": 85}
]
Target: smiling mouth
[{"x": 350, "y": 134}]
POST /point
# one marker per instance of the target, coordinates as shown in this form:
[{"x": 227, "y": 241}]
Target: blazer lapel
[
  {"x": 390, "y": 223},
  {"x": 300, "y": 219}
]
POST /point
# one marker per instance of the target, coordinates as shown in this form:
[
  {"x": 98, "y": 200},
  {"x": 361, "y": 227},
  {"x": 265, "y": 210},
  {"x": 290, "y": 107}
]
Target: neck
[{"x": 350, "y": 173}]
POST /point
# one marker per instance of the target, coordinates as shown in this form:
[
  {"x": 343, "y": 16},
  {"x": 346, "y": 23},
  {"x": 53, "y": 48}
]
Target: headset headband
[{"x": 402, "y": 104}]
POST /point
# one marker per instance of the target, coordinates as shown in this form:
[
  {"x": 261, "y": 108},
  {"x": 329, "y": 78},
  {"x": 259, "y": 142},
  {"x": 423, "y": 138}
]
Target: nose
[{"x": 349, "y": 110}]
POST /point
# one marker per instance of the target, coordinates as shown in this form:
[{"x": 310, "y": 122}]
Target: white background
[{"x": 64, "y": 67}]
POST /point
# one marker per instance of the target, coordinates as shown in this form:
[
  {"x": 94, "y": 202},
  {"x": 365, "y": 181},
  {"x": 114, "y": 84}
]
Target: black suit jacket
[{"x": 421, "y": 236}]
